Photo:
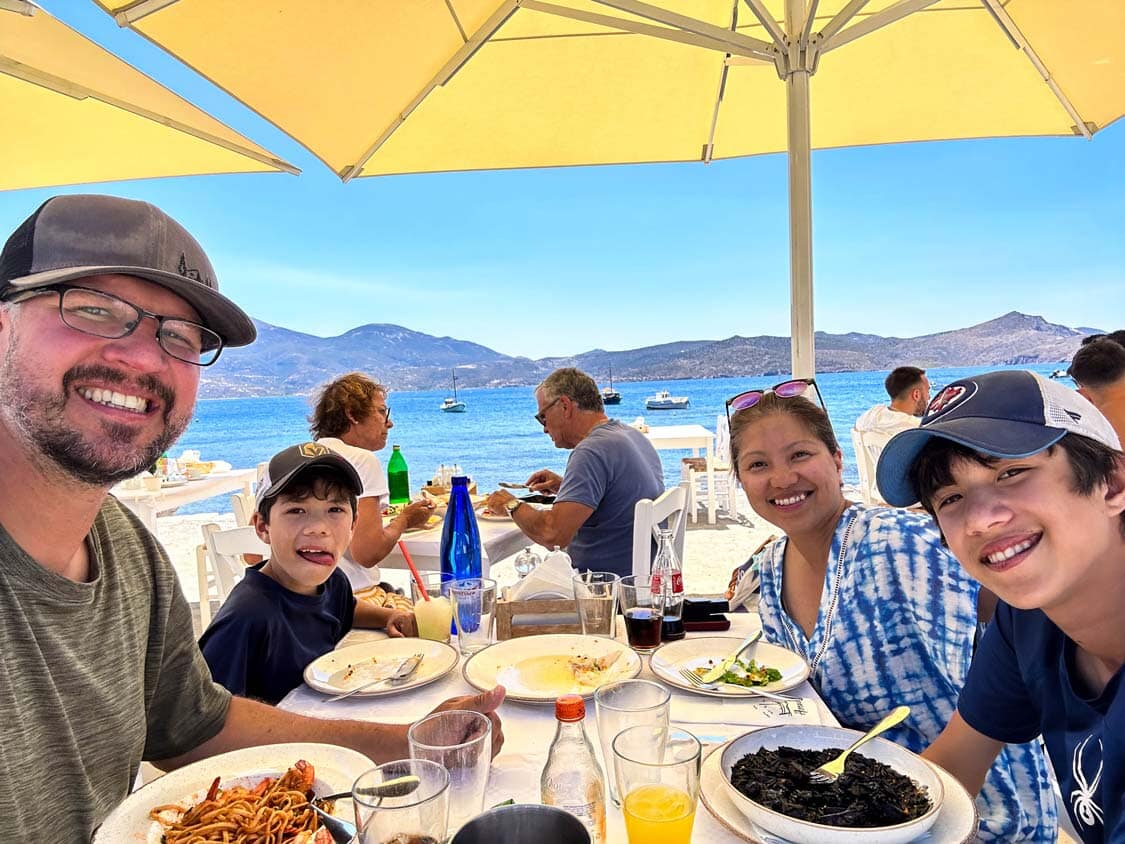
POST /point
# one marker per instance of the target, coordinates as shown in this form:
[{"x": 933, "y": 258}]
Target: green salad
[{"x": 745, "y": 674}]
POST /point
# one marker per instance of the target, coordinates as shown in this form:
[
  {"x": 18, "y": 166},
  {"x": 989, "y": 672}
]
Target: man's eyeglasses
[
  {"x": 105, "y": 315},
  {"x": 785, "y": 390},
  {"x": 385, "y": 412},
  {"x": 541, "y": 416}
]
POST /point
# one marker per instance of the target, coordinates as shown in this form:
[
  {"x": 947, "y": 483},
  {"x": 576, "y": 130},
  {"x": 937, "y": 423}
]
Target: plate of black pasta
[{"x": 886, "y": 795}]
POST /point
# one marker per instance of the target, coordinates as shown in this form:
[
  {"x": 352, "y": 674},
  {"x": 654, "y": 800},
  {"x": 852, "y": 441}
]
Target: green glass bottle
[{"x": 398, "y": 479}]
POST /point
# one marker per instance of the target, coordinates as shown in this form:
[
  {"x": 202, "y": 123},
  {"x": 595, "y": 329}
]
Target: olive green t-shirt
[{"x": 96, "y": 677}]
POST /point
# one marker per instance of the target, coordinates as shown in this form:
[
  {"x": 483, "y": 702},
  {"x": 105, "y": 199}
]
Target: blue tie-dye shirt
[{"x": 895, "y": 626}]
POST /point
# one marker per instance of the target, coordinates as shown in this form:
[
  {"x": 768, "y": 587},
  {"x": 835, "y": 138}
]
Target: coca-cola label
[{"x": 677, "y": 582}]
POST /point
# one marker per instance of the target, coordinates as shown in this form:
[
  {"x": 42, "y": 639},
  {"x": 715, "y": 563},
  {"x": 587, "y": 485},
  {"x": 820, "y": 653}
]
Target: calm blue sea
[{"x": 497, "y": 439}]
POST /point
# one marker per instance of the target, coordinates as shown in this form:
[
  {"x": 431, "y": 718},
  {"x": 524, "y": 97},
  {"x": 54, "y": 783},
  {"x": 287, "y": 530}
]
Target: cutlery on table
[
  {"x": 828, "y": 773},
  {"x": 719, "y": 670},
  {"x": 402, "y": 673},
  {"x": 697, "y": 681},
  {"x": 507, "y": 485},
  {"x": 397, "y": 787}
]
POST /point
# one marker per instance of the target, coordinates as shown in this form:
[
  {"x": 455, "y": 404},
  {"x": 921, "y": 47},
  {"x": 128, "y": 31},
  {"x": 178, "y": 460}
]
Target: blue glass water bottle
[{"x": 460, "y": 537}]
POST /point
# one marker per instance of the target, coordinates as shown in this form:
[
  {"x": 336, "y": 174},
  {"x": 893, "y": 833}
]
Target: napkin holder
[{"x": 535, "y": 616}]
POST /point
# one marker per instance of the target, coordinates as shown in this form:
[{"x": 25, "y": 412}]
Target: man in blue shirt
[
  {"x": 1026, "y": 480},
  {"x": 611, "y": 467}
]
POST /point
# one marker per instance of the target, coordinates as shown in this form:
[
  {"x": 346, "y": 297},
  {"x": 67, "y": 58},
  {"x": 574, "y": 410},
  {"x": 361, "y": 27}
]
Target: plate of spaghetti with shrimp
[{"x": 257, "y": 795}]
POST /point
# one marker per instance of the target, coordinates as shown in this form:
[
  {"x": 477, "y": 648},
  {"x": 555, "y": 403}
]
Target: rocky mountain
[{"x": 285, "y": 362}]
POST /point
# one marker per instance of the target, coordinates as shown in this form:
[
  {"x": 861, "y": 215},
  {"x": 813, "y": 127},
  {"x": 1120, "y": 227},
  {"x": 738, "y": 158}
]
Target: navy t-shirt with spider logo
[{"x": 1022, "y": 684}]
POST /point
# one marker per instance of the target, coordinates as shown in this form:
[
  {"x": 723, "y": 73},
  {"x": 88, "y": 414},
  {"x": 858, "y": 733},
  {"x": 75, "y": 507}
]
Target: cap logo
[
  {"x": 188, "y": 272},
  {"x": 947, "y": 399},
  {"x": 313, "y": 450}
]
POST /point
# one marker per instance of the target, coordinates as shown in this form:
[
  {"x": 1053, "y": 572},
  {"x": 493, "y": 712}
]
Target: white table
[
  {"x": 149, "y": 504},
  {"x": 529, "y": 729},
  {"x": 693, "y": 437},
  {"x": 498, "y": 539}
]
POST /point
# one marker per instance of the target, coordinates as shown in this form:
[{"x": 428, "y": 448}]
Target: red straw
[{"x": 413, "y": 570}]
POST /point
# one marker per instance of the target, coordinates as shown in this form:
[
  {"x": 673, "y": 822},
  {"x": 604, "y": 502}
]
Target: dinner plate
[
  {"x": 956, "y": 822},
  {"x": 373, "y": 660},
  {"x": 170, "y": 484},
  {"x": 534, "y": 669},
  {"x": 667, "y": 660},
  {"x": 433, "y": 521},
  {"x": 492, "y": 517},
  {"x": 336, "y": 768}
]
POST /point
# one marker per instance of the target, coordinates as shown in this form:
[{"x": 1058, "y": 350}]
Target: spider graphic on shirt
[{"x": 1086, "y": 811}]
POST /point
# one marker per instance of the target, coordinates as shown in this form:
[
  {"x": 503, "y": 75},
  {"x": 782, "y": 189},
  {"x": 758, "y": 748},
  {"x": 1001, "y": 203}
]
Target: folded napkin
[
  {"x": 742, "y": 712},
  {"x": 553, "y": 578}
]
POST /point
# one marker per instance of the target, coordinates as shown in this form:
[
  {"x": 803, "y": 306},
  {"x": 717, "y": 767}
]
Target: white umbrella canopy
[
  {"x": 75, "y": 113},
  {"x": 377, "y": 87}
]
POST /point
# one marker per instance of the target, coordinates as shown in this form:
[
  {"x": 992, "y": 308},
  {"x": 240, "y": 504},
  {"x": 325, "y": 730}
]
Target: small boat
[
  {"x": 610, "y": 395},
  {"x": 665, "y": 401},
  {"x": 452, "y": 404},
  {"x": 1060, "y": 373}
]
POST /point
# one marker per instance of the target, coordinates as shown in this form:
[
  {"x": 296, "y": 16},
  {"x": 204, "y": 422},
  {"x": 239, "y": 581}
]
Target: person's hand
[
  {"x": 496, "y": 501},
  {"x": 544, "y": 481},
  {"x": 416, "y": 513},
  {"x": 400, "y": 623},
  {"x": 484, "y": 703}
]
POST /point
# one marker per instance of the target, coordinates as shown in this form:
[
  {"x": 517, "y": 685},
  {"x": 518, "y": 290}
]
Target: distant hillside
[{"x": 284, "y": 362}]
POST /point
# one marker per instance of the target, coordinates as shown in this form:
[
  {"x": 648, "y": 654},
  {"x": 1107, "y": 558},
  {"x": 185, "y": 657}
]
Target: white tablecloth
[{"x": 529, "y": 729}]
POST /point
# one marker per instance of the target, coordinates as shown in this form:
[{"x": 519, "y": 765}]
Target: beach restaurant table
[
  {"x": 529, "y": 728},
  {"x": 694, "y": 437},
  {"x": 149, "y": 504},
  {"x": 499, "y": 538}
]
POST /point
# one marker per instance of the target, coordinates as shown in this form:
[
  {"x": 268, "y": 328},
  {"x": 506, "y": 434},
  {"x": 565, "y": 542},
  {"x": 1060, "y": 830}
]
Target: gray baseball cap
[{"x": 79, "y": 235}]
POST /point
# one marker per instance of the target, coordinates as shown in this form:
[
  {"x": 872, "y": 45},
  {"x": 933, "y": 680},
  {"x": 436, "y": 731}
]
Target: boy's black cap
[{"x": 287, "y": 465}]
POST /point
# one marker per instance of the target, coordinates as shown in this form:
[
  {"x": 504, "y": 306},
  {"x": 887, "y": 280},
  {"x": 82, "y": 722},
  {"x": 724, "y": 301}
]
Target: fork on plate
[
  {"x": 698, "y": 681},
  {"x": 829, "y": 772}
]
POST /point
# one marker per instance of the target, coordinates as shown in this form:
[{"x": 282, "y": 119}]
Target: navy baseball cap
[
  {"x": 1002, "y": 414},
  {"x": 290, "y": 463}
]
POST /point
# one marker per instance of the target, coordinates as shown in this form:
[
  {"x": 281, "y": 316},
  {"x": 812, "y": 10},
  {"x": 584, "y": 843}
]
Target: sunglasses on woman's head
[{"x": 785, "y": 390}]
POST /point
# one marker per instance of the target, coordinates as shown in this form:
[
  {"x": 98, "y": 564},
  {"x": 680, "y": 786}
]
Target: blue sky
[{"x": 908, "y": 239}]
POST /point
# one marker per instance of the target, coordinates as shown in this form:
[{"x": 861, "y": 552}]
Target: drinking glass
[
  {"x": 627, "y": 703},
  {"x": 434, "y": 617},
  {"x": 460, "y": 741},
  {"x": 643, "y": 612},
  {"x": 595, "y": 592},
  {"x": 421, "y": 816},
  {"x": 657, "y": 771},
  {"x": 474, "y": 604}
]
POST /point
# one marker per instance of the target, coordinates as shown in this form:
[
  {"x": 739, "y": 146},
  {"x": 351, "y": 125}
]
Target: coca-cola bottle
[{"x": 668, "y": 581}]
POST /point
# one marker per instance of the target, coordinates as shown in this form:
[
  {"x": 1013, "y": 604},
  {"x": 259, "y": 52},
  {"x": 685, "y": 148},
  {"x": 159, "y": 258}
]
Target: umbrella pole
[{"x": 802, "y": 352}]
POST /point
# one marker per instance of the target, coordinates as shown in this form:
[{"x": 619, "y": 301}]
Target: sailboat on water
[
  {"x": 610, "y": 395},
  {"x": 452, "y": 404}
]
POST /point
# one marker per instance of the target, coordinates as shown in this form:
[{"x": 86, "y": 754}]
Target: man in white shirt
[{"x": 909, "y": 390}]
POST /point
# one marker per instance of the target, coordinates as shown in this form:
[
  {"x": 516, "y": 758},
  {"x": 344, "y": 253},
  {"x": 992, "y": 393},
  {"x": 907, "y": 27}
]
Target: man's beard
[{"x": 115, "y": 456}]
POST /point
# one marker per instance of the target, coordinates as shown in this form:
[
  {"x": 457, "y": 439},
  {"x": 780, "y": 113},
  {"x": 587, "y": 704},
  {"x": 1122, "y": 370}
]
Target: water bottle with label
[
  {"x": 398, "y": 479},
  {"x": 668, "y": 580},
  {"x": 572, "y": 779}
]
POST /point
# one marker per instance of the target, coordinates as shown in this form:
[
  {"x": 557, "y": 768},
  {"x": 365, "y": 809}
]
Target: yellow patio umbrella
[
  {"x": 75, "y": 113},
  {"x": 376, "y": 87}
]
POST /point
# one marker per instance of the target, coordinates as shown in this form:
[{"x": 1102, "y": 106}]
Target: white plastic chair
[
  {"x": 243, "y": 506},
  {"x": 219, "y": 562},
  {"x": 649, "y": 516},
  {"x": 868, "y": 446}
]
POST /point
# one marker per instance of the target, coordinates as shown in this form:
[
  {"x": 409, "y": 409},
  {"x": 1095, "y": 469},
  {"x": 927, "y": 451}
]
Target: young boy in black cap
[
  {"x": 1026, "y": 480},
  {"x": 295, "y": 606}
]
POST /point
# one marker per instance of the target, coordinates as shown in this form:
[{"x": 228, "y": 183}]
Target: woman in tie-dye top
[{"x": 881, "y": 611}]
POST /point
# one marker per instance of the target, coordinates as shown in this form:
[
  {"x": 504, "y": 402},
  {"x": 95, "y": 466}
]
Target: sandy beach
[{"x": 710, "y": 551}]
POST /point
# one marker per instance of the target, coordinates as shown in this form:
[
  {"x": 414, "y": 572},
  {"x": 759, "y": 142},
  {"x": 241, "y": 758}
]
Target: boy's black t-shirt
[{"x": 264, "y": 635}]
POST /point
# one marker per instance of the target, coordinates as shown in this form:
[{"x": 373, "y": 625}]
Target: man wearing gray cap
[{"x": 108, "y": 309}]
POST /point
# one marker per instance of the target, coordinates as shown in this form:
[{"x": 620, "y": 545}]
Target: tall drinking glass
[
  {"x": 460, "y": 741},
  {"x": 595, "y": 593},
  {"x": 627, "y": 703},
  {"x": 474, "y": 605},
  {"x": 643, "y": 611},
  {"x": 434, "y": 617},
  {"x": 420, "y": 815},
  {"x": 657, "y": 771}
]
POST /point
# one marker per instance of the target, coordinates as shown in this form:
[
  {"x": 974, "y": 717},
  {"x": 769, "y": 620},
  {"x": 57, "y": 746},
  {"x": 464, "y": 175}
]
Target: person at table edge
[
  {"x": 611, "y": 467},
  {"x": 108, "y": 309}
]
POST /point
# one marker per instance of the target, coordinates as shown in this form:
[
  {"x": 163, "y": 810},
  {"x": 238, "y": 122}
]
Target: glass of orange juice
[{"x": 657, "y": 772}]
